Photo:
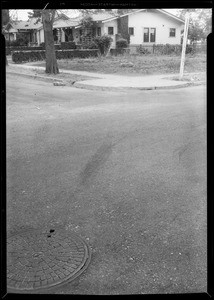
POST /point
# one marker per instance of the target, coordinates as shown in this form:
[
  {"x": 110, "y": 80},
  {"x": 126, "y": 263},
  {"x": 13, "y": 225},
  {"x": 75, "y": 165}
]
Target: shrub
[
  {"x": 103, "y": 43},
  {"x": 21, "y": 40},
  {"x": 142, "y": 50},
  {"x": 21, "y": 48},
  {"x": 90, "y": 45},
  {"x": 172, "y": 49},
  {"x": 190, "y": 49},
  {"x": 120, "y": 51},
  {"x": 122, "y": 43},
  {"x": 42, "y": 45},
  {"x": 68, "y": 45},
  {"x": 63, "y": 54},
  {"x": 24, "y": 56}
]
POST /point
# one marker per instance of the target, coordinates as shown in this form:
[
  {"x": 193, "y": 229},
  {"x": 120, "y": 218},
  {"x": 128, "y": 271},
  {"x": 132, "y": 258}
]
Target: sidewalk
[{"x": 98, "y": 81}]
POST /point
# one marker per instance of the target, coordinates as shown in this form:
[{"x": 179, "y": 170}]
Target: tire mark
[
  {"x": 180, "y": 151},
  {"x": 95, "y": 163}
]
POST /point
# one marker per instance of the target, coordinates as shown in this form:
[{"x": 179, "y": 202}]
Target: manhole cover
[{"x": 41, "y": 259}]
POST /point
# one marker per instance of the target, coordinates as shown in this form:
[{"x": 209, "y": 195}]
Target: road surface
[{"x": 124, "y": 170}]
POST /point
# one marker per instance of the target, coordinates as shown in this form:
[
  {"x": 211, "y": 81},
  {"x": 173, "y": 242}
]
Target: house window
[
  {"x": 146, "y": 35},
  {"x": 149, "y": 35},
  {"x": 110, "y": 30},
  {"x": 99, "y": 31},
  {"x": 131, "y": 30},
  {"x": 152, "y": 35},
  {"x": 172, "y": 32}
]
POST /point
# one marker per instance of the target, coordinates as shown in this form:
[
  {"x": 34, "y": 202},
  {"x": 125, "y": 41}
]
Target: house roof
[
  {"x": 21, "y": 25},
  {"x": 139, "y": 10},
  {"x": 107, "y": 17},
  {"x": 104, "y": 16},
  {"x": 66, "y": 23}
]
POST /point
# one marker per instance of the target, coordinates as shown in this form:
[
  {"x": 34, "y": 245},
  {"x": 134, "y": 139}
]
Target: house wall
[
  {"x": 12, "y": 34},
  {"x": 76, "y": 35},
  {"x": 157, "y": 20},
  {"x": 104, "y": 30},
  {"x": 40, "y": 36}
]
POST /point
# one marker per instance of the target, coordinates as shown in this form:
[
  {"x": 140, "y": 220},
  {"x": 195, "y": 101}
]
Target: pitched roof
[
  {"x": 104, "y": 16},
  {"x": 20, "y": 25},
  {"x": 139, "y": 10},
  {"x": 66, "y": 23}
]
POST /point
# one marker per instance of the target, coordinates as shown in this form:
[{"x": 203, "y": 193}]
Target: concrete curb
[{"x": 105, "y": 88}]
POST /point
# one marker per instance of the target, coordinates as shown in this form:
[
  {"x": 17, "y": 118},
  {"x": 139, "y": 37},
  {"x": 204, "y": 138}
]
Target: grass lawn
[{"x": 142, "y": 64}]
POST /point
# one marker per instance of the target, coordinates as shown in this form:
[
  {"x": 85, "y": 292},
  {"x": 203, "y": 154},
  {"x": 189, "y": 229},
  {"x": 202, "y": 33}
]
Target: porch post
[{"x": 62, "y": 35}]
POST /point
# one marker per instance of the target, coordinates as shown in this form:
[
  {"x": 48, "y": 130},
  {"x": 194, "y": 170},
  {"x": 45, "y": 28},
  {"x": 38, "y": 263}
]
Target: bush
[
  {"x": 90, "y": 45},
  {"x": 21, "y": 48},
  {"x": 122, "y": 43},
  {"x": 68, "y": 45},
  {"x": 142, "y": 50},
  {"x": 172, "y": 49},
  {"x": 103, "y": 43},
  {"x": 21, "y": 40},
  {"x": 120, "y": 51},
  {"x": 25, "y": 56},
  {"x": 190, "y": 49},
  {"x": 42, "y": 45}
]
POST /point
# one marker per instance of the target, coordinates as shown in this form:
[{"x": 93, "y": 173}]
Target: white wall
[
  {"x": 104, "y": 30},
  {"x": 76, "y": 35},
  {"x": 157, "y": 20},
  {"x": 40, "y": 36}
]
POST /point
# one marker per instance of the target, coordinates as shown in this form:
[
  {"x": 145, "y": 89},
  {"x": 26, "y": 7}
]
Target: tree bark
[{"x": 51, "y": 62}]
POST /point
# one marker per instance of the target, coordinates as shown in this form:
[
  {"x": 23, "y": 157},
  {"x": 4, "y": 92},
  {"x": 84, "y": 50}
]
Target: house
[
  {"x": 28, "y": 28},
  {"x": 63, "y": 30},
  {"x": 140, "y": 27}
]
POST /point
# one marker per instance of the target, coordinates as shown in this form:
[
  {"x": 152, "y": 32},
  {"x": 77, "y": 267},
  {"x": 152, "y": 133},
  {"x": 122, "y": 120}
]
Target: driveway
[{"x": 124, "y": 170}]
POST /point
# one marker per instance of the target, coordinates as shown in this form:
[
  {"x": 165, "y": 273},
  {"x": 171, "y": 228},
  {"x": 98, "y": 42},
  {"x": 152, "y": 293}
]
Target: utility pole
[{"x": 184, "y": 45}]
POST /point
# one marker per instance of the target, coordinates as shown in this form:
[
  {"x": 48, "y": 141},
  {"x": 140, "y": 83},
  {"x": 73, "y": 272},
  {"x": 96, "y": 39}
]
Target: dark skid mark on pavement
[
  {"x": 95, "y": 163},
  {"x": 181, "y": 150}
]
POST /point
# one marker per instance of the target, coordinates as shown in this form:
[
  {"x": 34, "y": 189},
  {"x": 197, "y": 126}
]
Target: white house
[
  {"x": 146, "y": 27},
  {"x": 156, "y": 26}
]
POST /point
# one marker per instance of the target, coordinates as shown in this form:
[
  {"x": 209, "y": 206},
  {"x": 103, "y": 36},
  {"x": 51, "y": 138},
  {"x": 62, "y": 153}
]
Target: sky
[{"x": 22, "y": 14}]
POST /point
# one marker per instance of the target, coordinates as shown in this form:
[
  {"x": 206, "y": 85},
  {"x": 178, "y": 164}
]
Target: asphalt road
[{"x": 124, "y": 170}]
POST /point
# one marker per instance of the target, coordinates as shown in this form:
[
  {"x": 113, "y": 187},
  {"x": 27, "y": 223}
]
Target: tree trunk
[{"x": 51, "y": 62}]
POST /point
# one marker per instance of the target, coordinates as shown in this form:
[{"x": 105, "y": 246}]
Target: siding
[
  {"x": 104, "y": 30},
  {"x": 157, "y": 20}
]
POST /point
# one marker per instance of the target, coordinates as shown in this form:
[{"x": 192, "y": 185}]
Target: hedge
[
  {"x": 119, "y": 51},
  {"x": 64, "y": 45},
  {"x": 25, "y": 56},
  {"x": 68, "y": 45},
  {"x": 21, "y": 48}
]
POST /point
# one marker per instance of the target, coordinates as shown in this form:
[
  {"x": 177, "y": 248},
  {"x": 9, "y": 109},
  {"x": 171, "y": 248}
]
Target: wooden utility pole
[{"x": 184, "y": 46}]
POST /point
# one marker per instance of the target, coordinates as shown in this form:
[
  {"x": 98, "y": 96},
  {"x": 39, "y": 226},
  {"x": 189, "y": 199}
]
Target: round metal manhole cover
[{"x": 40, "y": 259}]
